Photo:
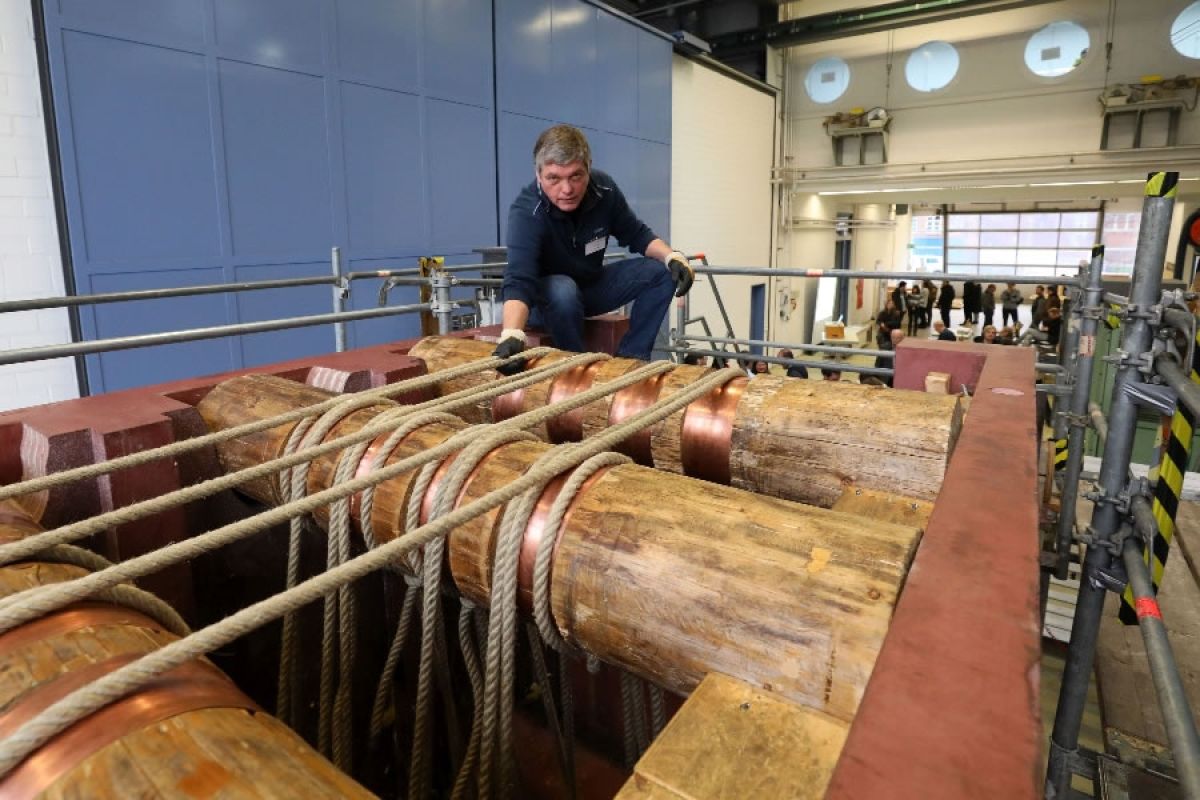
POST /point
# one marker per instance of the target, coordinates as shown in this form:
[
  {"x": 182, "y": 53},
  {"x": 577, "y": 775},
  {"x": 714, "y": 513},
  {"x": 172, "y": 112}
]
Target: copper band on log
[
  {"x": 568, "y": 427},
  {"x": 627, "y": 403},
  {"x": 47, "y": 659},
  {"x": 798, "y": 439},
  {"x": 190, "y": 687},
  {"x": 655, "y": 572}
]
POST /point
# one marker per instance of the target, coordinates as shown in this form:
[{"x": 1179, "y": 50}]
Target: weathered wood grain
[{"x": 731, "y": 741}]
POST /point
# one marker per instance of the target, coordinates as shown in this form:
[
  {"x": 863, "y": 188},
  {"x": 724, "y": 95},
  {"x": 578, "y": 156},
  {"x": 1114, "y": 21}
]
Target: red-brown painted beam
[{"x": 951, "y": 710}]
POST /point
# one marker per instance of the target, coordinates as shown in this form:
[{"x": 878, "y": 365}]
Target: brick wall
[{"x": 30, "y": 261}]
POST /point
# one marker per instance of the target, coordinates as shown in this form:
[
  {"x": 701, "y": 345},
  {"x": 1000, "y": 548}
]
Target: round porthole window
[
  {"x": 931, "y": 66},
  {"x": 1185, "y": 31},
  {"x": 827, "y": 80},
  {"x": 1056, "y": 49}
]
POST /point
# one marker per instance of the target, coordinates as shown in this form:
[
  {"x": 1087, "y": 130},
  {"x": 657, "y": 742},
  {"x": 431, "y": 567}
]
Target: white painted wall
[
  {"x": 722, "y": 152},
  {"x": 30, "y": 262},
  {"x": 995, "y": 106}
]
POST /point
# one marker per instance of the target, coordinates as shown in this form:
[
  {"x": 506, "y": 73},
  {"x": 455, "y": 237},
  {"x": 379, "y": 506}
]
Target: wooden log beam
[
  {"x": 190, "y": 732},
  {"x": 667, "y": 576},
  {"x": 796, "y": 439}
]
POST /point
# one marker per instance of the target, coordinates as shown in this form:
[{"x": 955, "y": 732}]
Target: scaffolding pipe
[
  {"x": 36, "y": 304},
  {"x": 815, "y": 348},
  {"x": 339, "y": 299},
  {"x": 442, "y": 305},
  {"x": 195, "y": 334},
  {"x": 1172, "y": 698},
  {"x": 1086, "y": 311},
  {"x": 1188, "y": 392},
  {"x": 1145, "y": 290},
  {"x": 844, "y": 274},
  {"x": 1179, "y": 319},
  {"x": 836, "y": 366}
]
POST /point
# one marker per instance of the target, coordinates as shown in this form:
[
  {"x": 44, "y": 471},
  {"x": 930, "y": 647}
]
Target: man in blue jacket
[{"x": 558, "y": 229}]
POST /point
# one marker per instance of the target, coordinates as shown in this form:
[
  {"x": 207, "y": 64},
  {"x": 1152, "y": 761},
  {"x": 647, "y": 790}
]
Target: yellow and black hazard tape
[
  {"x": 1060, "y": 454},
  {"x": 1162, "y": 184},
  {"x": 1167, "y": 490}
]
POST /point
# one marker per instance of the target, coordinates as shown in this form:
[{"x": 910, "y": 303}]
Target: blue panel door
[{"x": 211, "y": 141}]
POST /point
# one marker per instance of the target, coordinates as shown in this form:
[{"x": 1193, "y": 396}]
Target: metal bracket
[
  {"x": 1076, "y": 420},
  {"x": 1152, "y": 396},
  {"x": 1152, "y": 314}
]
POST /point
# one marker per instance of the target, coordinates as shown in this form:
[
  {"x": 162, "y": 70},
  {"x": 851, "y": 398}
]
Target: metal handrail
[
  {"x": 838, "y": 366},
  {"x": 195, "y": 334},
  {"x": 37, "y": 304}
]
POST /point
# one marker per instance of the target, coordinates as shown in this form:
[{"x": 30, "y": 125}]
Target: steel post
[
  {"x": 1172, "y": 699},
  {"x": 442, "y": 306},
  {"x": 1138, "y": 336},
  {"x": 1177, "y": 378},
  {"x": 1086, "y": 312},
  {"x": 339, "y": 299}
]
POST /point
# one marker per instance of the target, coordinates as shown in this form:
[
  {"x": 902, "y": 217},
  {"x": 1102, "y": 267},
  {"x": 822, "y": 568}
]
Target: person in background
[
  {"x": 943, "y": 335},
  {"x": 899, "y": 299},
  {"x": 1010, "y": 299},
  {"x": 989, "y": 335},
  {"x": 1047, "y": 332},
  {"x": 890, "y": 319},
  {"x": 760, "y": 368},
  {"x": 888, "y": 361},
  {"x": 695, "y": 360},
  {"x": 833, "y": 375},
  {"x": 1052, "y": 299},
  {"x": 1006, "y": 336},
  {"x": 970, "y": 299},
  {"x": 916, "y": 309},
  {"x": 987, "y": 304},
  {"x": 930, "y": 301},
  {"x": 793, "y": 370},
  {"x": 945, "y": 302},
  {"x": 1037, "y": 307}
]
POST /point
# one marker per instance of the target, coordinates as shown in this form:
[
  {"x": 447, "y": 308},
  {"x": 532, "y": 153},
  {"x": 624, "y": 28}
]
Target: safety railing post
[
  {"x": 339, "y": 299},
  {"x": 442, "y": 306},
  {"x": 1086, "y": 312},
  {"x": 1145, "y": 290}
]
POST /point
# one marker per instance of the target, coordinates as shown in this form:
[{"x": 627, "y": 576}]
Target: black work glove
[
  {"x": 510, "y": 344},
  {"x": 681, "y": 272}
]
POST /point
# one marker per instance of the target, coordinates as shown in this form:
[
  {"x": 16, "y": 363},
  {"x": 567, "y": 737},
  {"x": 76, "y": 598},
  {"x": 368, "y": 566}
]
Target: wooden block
[
  {"x": 835, "y": 330},
  {"x": 884, "y": 507},
  {"x": 937, "y": 382},
  {"x": 731, "y": 740}
]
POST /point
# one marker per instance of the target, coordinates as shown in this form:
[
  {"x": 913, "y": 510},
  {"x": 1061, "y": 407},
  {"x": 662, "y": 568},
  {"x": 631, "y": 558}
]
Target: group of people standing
[{"x": 916, "y": 305}]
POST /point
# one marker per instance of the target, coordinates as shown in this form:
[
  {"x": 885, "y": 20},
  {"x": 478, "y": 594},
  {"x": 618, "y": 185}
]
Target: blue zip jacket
[{"x": 542, "y": 240}]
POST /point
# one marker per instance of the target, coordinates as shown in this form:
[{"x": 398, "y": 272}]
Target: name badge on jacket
[{"x": 595, "y": 245}]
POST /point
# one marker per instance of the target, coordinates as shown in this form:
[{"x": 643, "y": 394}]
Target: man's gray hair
[{"x": 561, "y": 144}]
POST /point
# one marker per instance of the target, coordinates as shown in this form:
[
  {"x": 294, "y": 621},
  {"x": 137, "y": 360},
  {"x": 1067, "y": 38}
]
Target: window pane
[
  {"x": 827, "y": 80},
  {"x": 1071, "y": 258},
  {"x": 1039, "y": 220},
  {"x": 1120, "y": 242},
  {"x": 1056, "y": 49},
  {"x": 998, "y": 239},
  {"x": 1077, "y": 239},
  {"x": 963, "y": 257},
  {"x": 962, "y": 239},
  {"x": 931, "y": 66},
  {"x": 1185, "y": 31},
  {"x": 999, "y": 270},
  {"x": 1039, "y": 238},
  {"x": 963, "y": 222},
  {"x": 999, "y": 256},
  {"x": 1002, "y": 222},
  {"x": 1079, "y": 219},
  {"x": 1036, "y": 258}
]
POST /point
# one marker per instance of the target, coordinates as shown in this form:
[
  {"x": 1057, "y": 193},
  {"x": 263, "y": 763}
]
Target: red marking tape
[{"x": 1147, "y": 607}]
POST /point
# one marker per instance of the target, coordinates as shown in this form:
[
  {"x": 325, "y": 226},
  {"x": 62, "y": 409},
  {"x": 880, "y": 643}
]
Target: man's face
[{"x": 564, "y": 184}]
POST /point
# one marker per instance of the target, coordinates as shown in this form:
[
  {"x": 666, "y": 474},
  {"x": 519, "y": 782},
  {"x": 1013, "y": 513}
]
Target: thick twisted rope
[
  {"x": 130, "y": 597},
  {"x": 384, "y": 693},
  {"x": 466, "y": 640},
  {"x": 30, "y": 546},
  {"x": 30, "y": 604},
  {"x": 35, "y": 732},
  {"x": 69, "y": 476}
]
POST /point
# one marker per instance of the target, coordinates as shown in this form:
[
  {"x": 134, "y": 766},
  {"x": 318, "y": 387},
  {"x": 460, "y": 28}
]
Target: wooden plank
[
  {"x": 884, "y": 507},
  {"x": 731, "y": 740}
]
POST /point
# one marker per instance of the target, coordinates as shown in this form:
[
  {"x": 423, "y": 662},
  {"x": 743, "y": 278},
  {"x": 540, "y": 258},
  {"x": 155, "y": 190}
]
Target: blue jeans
[{"x": 644, "y": 282}]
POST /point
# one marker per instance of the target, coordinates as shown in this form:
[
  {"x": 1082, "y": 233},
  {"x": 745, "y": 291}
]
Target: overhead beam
[{"x": 854, "y": 22}]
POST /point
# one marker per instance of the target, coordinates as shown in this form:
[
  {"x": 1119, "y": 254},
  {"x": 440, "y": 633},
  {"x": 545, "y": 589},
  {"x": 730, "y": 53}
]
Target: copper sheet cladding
[
  {"x": 707, "y": 433},
  {"x": 536, "y": 529},
  {"x": 568, "y": 427},
  {"x": 630, "y": 401},
  {"x": 507, "y": 406},
  {"x": 364, "y": 464},
  {"x": 192, "y": 686},
  {"x": 73, "y": 618}
]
